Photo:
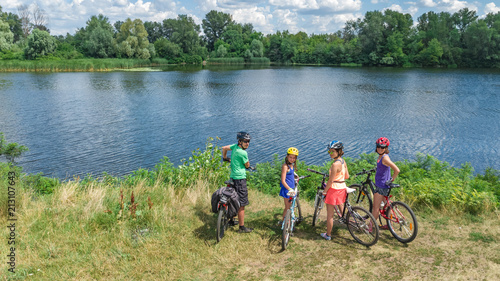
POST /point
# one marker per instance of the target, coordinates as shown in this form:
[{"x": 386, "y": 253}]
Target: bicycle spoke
[
  {"x": 361, "y": 224},
  {"x": 287, "y": 229},
  {"x": 402, "y": 222}
]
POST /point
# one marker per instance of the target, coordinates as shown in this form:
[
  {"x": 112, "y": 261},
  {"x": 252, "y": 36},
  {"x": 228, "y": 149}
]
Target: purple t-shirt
[{"x": 383, "y": 174}]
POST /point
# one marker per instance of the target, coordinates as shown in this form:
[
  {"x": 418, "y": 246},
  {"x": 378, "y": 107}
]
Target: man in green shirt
[{"x": 239, "y": 164}]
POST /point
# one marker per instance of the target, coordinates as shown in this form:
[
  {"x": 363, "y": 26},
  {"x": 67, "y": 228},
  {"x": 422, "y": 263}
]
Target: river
[{"x": 116, "y": 122}]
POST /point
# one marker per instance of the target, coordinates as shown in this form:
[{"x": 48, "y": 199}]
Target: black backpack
[{"x": 233, "y": 200}]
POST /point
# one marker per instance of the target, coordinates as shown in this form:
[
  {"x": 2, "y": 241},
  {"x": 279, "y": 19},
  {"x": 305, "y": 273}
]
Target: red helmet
[{"x": 383, "y": 142}]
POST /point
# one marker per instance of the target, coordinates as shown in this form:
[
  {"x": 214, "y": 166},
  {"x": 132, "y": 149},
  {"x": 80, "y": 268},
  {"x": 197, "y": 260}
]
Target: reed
[{"x": 73, "y": 65}]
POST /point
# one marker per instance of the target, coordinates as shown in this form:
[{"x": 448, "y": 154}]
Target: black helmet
[{"x": 243, "y": 136}]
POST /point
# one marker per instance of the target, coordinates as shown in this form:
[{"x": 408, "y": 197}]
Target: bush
[{"x": 41, "y": 184}]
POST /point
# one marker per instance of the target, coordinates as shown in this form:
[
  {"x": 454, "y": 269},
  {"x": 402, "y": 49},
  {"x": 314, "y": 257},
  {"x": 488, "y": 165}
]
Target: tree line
[{"x": 387, "y": 38}]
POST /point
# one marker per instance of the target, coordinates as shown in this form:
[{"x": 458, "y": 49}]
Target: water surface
[{"x": 80, "y": 123}]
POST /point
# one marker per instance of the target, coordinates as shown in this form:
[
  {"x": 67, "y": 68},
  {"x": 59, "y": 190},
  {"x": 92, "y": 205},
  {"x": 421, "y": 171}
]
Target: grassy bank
[
  {"x": 156, "y": 224},
  {"x": 75, "y": 65},
  {"x": 80, "y": 231}
]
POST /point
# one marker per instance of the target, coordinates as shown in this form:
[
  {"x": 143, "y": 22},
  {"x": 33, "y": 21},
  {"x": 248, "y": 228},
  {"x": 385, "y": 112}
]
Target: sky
[{"x": 267, "y": 16}]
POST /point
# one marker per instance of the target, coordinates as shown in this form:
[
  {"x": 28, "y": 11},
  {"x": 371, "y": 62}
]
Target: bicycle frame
[
  {"x": 387, "y": 199},
  {"x": 292, "y": 210},
  {"x": 400, "y": 218},
  {"x": 294, "y": 201}
]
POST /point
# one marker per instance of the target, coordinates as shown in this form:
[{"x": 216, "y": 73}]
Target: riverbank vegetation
[
  {"x": 379, "y": 38},
  {"x": 156, "y": 223}
]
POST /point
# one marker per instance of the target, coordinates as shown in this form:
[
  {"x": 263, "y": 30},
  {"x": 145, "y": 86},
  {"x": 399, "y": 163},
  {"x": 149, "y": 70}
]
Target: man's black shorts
[{"x": 241, "y": 189}]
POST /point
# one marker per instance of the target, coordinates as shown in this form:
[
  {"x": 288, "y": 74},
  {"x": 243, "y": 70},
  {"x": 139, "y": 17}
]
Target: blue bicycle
[{"x": 290, "y": 219}]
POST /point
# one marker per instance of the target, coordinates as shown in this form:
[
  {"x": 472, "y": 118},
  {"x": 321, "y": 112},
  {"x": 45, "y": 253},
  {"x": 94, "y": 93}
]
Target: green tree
[
  {"x": 14, "y": 23},
  {"x": 221, "y": 51},
  {"x": 97, "y": 37},
  {"x": 234, "y": 38},
  {"x": 6, "y": 36},
  {"x": 214, "y": 25},
  {"x": 40, "y": 44},
  {"x": 463, "y": 18},
  {"x": 11, "y": 150},
  {"x": 371, "y": 36},
  {"x": 132, "y": 40},
  {"x": 154, "y": 30},
  {"x": 480, "y": 50},
  {"x": 430, "y": 56},
  {"x": 184, "y": 32},
  {"x": 166, "y": 49},
  {"x": 247, "y": 55},
  {"x": 257, "y": 48}
]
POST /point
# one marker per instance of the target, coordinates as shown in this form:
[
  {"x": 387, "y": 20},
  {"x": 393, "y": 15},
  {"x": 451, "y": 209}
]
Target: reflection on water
[{"x": 79, "y": 123}]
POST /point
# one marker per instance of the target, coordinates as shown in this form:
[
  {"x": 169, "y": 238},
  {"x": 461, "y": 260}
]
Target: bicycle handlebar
[
  {"x": 366, "y": 172},
  {"x": 316, "y": 172}
]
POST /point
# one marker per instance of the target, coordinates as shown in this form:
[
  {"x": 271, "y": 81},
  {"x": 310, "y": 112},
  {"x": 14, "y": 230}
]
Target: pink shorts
[{"x": 335, "y": 196}]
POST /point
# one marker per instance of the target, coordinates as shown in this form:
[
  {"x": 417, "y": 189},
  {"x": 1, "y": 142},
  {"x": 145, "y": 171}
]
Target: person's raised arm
[
  {"x": 388, "y": 162},
  {"x": 225, "y": 149}
]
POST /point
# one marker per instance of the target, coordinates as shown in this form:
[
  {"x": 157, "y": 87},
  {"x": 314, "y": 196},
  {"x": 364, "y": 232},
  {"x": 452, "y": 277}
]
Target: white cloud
[
  {"x": 118, "y": 2},
  {"x": 286, "y": 20},
  {"x": 428, "y": 3},
  {"x": 259, "y": 17},
  {"x": 455, "y": 5},
  {"x": 394, "y": 7},
  {"x": 491, "y": 8},
  {"x": 320, "y": 6},
  {"x": 412, "y": 10}
]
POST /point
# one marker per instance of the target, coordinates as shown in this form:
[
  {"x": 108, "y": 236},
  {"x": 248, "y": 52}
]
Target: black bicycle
[
  {"x": 359, "y": 221},
  {"x": 223, "y": 217},
  {"x": 318, "y": 199},
  {"x": 400, "y": 218}
]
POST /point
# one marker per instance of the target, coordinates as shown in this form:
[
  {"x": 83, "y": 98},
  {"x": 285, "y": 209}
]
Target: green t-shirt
[{"x": 238, "y": 159}]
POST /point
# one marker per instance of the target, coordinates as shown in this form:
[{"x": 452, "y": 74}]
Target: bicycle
[
  {"x": 318, "y": 199},
  {"x": 359, "y": 221},
  {"x": 400, "y": 218},
  {"x": 223, "y": 217},
  {"x": 290, "y": 220}
]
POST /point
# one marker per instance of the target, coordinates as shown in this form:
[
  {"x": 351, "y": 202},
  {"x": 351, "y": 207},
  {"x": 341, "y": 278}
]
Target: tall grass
[
  {"x": 425, "y": 182},
  {"x": 89, "y": 230},
  {"x": 72, "y": 65},
  {"x": 226, "y": 61}
]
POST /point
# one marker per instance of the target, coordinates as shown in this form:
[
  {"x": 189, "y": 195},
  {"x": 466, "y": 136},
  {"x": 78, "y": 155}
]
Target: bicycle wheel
[
  {"x": 299, "y": 211},
  {"x": 362, "y": 226},
  {"x": 287, "y": 229},
  {"x": 222, "y": 223},
  {"x": 402, "y": 222},
  {"x": 361, "y": 197},
  {"x": 318, "y": 205}
]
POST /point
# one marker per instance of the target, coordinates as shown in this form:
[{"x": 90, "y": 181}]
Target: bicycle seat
[
  {"x": 393, "y": 185},
  {"x": 350, "y": 190}
]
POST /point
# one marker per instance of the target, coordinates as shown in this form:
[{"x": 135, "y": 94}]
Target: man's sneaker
[
  {"x": 232, "y": 223},
  {"x": 244, "y": 229},
  {"x": 279, "y": 223},
  {"x": 383, "y": 227},
  {"x": 326, "y": 236}
]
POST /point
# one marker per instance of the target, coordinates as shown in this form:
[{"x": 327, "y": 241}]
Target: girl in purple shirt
[{"x": 383, "y": 175}]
